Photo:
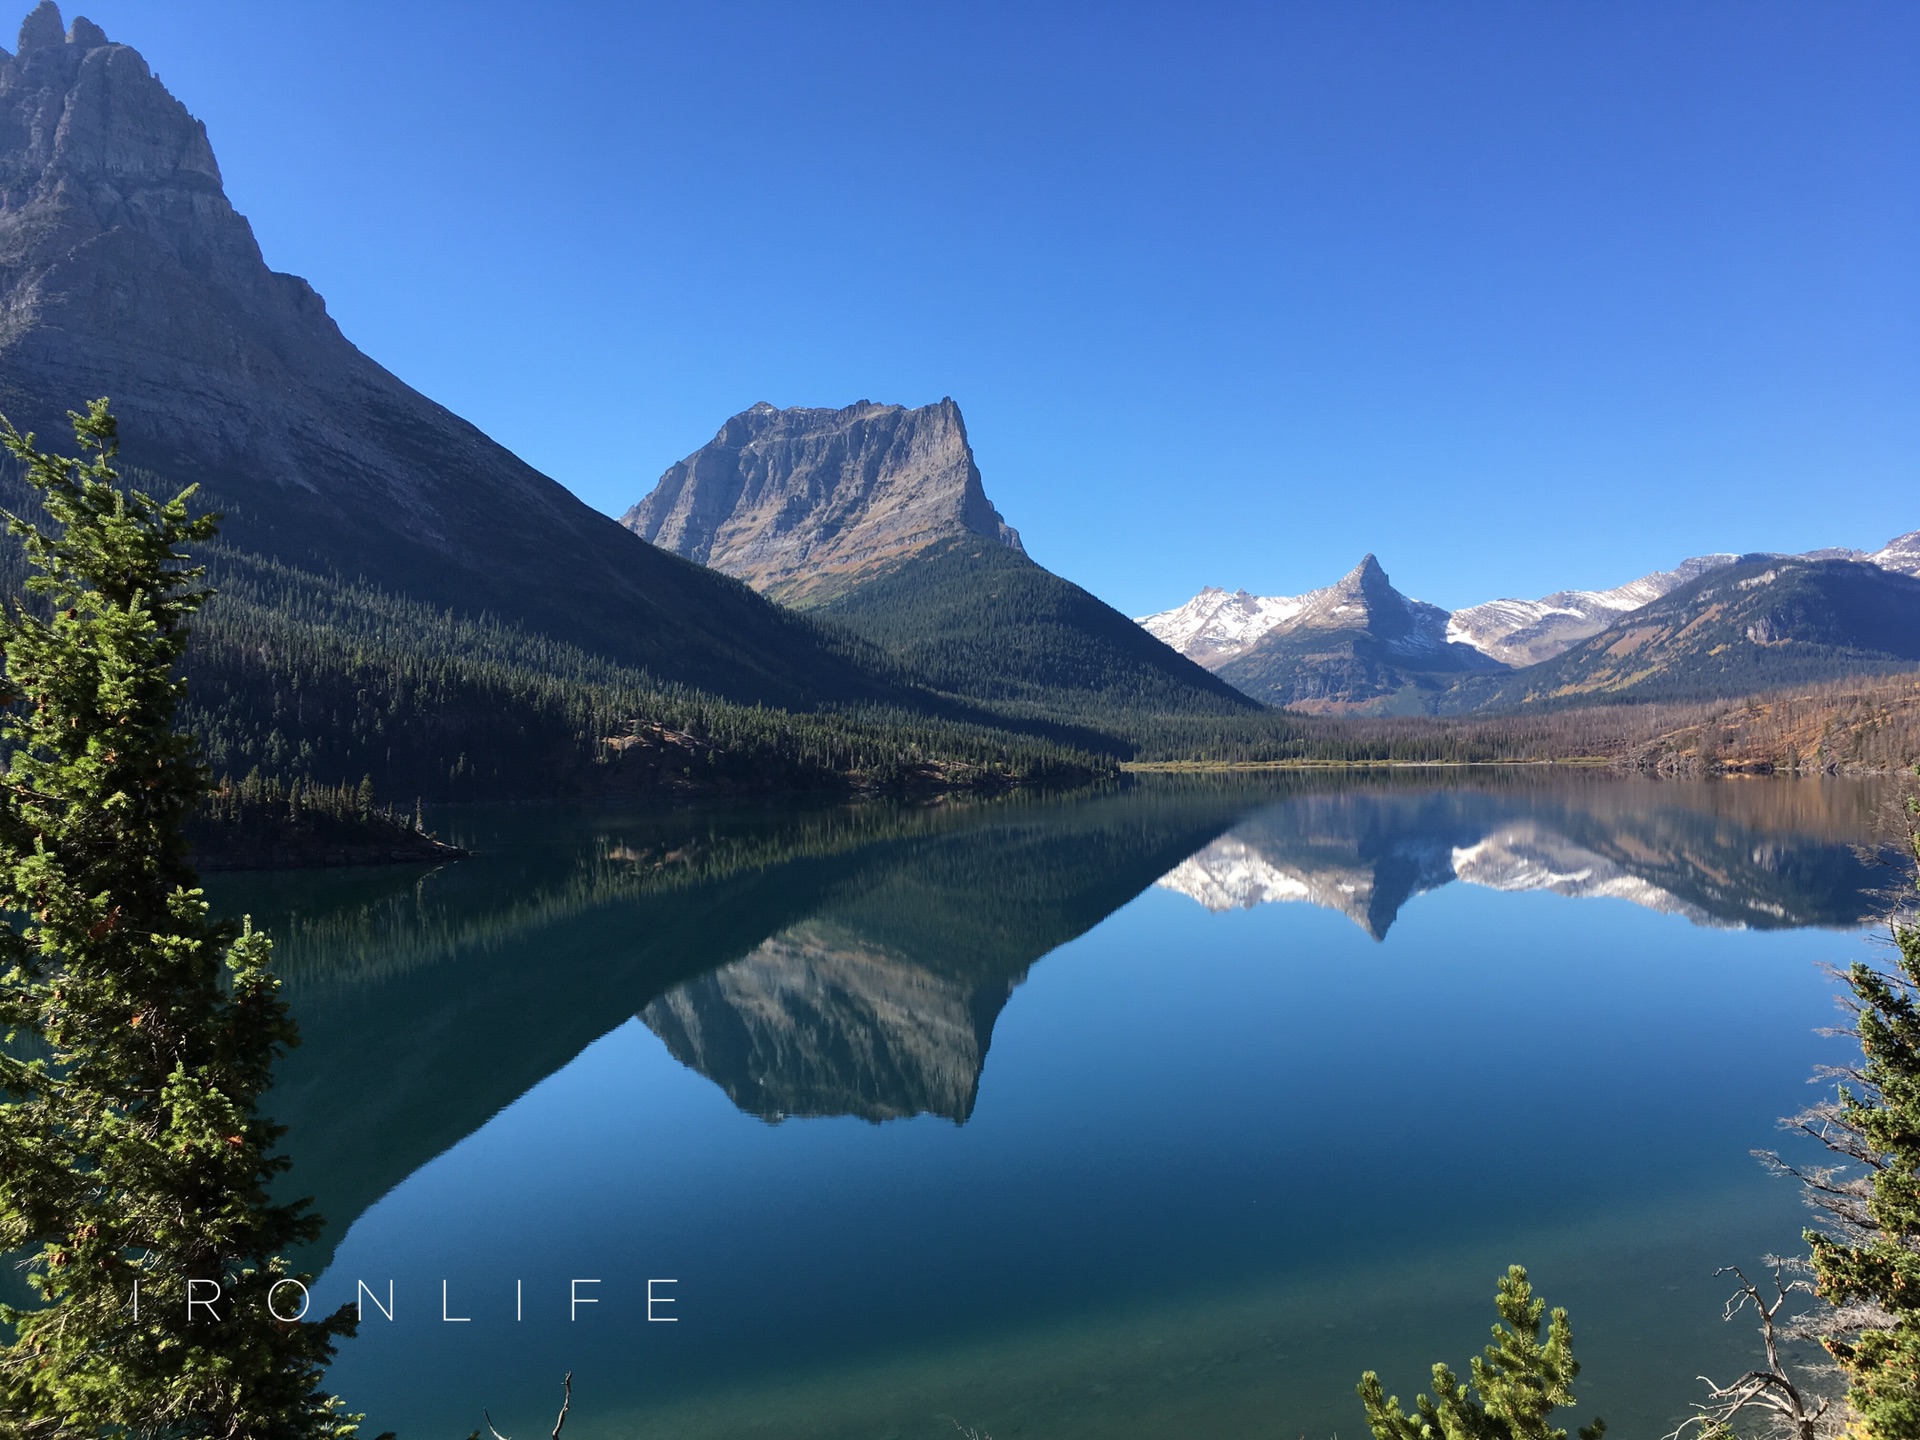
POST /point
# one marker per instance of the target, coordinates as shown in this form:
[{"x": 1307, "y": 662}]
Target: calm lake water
[{"x": 1159, "y": 1112}]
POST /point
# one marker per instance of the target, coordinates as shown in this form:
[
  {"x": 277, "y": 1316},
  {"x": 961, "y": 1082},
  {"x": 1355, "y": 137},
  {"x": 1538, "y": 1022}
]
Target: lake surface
[{"x": 1162, "y": 1111}]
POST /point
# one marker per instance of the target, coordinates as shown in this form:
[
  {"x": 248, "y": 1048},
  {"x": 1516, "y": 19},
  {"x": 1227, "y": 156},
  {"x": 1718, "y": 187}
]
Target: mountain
[
  {"x": 874, "y": 519},
  {"x": 125, "y": 272},
  {"x": 1900, "y": 554},
  {"x": 1359, "y": 645},
  {"x": 803, "y": 503},
  {"x": 1525, "y": 632},
  {"x": 1763, "y": 621},
  {"x": 1215, "y": 627},
  {"x": 985, "y": 623}
]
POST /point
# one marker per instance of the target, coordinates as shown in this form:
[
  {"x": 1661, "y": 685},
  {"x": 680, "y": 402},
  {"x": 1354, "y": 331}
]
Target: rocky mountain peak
[
  {"x": 101, "y": 169},
  {"x": 1364, "y": 598},
  {"x": 802, "y": 502},
  {"x": 1900, "y": 554},
  {"x": 42, "y": 29}
]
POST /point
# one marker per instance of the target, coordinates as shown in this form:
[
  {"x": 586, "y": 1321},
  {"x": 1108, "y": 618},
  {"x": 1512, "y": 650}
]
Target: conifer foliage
[
  {"x": 134, "y": 1160},
  {"x": 1869, "y": 1259},
  {"x": 1513, "y": 1390}
]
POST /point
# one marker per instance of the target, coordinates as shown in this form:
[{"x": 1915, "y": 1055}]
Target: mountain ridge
[
  {"x": 1764, "y": 621},
  {"x": 1217, "y": 625},
  {"x": 874, "y": 519}
]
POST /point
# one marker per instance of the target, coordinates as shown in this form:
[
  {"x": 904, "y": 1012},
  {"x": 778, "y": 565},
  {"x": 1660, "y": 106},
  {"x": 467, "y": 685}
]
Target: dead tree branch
[
  {"x": 1771, "y": 1390},
  {"x": 566, "y": 1404}
]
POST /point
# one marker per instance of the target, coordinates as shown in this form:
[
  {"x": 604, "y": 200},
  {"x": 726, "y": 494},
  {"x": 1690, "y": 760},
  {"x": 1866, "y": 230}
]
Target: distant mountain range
[
  {"x": 1525, "y": 632},
  {"x": 1360, "y": 645},
  {"x": 1761, "y": 622}
]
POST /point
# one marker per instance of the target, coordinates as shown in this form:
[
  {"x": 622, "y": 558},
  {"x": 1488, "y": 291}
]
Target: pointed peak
[
  {"x": 42, "y": 29},
  {"x": 86, "y": 34},
  {"x": 1367, "y": 572}
]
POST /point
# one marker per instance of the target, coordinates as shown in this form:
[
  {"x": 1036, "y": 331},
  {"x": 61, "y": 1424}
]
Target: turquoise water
[{"x": 1150, "y": 1113}]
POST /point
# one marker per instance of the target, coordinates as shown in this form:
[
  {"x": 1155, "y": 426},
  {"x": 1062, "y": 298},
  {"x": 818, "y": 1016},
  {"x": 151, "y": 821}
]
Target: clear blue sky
[{"x": 1517, "y": 296}]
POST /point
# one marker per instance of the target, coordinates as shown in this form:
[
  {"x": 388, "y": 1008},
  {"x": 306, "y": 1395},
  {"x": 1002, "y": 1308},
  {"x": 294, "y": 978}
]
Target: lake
[{"x": 1165, "y": 1110}]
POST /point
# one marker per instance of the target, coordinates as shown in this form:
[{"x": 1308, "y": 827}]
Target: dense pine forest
[{"x": 303, "y": 675}]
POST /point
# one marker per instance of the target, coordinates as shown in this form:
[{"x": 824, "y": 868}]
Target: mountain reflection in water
[
  {"x": 854, "y": 961},
  {"x": 1764, "y": 855}
]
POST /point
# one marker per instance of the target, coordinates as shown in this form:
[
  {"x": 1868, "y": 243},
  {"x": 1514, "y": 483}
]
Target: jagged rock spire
[{"x": 42, "y": 29}]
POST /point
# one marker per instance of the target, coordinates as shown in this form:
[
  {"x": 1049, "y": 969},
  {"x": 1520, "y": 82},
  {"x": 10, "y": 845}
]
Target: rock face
[
  {"x": 1359, "y": 645},
  {"x": 125, "y": 272},
  {"x": 802, "y": 503}
]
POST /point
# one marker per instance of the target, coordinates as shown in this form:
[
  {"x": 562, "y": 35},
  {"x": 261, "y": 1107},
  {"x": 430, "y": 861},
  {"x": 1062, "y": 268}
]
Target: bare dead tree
[
  {"x": 1773, "y": 1390},
  {"x": 566, "y": 1403}
]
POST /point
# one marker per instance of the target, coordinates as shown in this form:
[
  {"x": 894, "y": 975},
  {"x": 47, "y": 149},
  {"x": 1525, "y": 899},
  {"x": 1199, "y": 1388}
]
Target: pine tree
[
  {"x": 135, "y": 1164},
  {"x": 1871, "y": 1258},
  {"x": 1518, "y": 1383}
]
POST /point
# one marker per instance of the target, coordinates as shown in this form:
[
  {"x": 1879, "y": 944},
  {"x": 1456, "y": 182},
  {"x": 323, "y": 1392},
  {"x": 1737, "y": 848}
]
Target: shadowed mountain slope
[
  {"x": 125, "y": 272},
  {"x": 981, "y": 621}
]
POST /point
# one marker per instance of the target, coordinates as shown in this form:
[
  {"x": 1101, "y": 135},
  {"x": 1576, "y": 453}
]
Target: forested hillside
[
  {"x": 302, "y": 675},
  {"x": 980, "y": 620}
]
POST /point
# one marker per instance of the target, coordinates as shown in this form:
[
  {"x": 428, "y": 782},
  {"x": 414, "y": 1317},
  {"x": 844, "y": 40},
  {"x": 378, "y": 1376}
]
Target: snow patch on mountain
[
  {"x": 1900, "y": 554},
  {"x": 1525, "y": 632},
  {"x": 1215, "y": 625}
]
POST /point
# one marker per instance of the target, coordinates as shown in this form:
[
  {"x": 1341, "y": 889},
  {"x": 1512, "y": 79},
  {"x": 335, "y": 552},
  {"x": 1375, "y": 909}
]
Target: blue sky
[{"x": 1517, "y": 296}]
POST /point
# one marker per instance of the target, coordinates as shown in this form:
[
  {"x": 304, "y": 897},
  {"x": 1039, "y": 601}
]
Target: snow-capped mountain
[
  {"x": 1525, "y": 632},
  {"x": 1355, "y": 645},
  {"x": 1901, "y": 554},
  {"x": 1214, "y": 626},
  {"x": 1217, "y": 627}
]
